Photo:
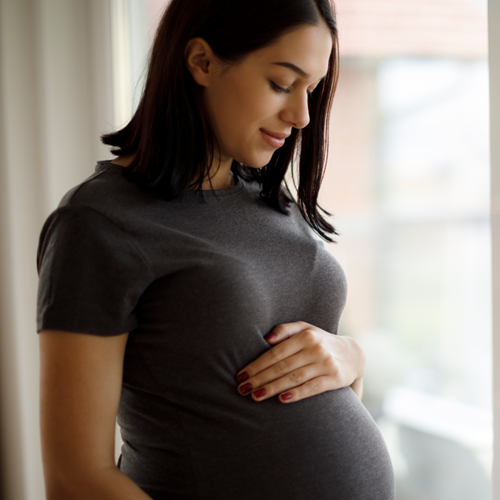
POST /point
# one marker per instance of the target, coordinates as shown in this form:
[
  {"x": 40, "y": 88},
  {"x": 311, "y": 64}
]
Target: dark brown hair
[{"x": 170, "y": 119}]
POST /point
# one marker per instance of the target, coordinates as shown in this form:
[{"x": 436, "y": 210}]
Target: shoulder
[
  {"x": 106, "y": 191},
  {"x": 96, "y": 213}
]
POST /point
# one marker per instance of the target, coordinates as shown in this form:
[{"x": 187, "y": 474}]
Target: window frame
[{"x": 494, "y": 68}]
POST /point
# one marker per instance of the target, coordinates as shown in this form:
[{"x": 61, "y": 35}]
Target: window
[{"x": 408, "y": 182}]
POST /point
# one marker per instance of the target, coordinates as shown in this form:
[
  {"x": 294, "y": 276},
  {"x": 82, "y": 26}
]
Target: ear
[{"x": 200, "y": 61}]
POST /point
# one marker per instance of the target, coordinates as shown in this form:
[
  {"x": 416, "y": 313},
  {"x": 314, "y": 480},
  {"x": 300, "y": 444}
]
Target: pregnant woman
[{"x": 186, "y": 292}]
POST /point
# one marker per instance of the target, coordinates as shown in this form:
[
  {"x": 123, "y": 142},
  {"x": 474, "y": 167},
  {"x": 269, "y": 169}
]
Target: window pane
[{"x": 408, "y": 182}]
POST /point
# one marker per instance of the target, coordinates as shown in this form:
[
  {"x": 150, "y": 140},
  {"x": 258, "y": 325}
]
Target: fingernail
[
  {"x": 245, "y": 389},
  {"x": 242, "y": 377},
  {"x": 270, "y": 336},
  {"x": 286, "y": 396},
  {"x": 260, "y": 393}
]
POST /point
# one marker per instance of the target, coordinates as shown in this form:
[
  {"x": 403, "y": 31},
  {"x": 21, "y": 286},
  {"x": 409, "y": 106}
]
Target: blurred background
[{"x": 408, "y": 184}]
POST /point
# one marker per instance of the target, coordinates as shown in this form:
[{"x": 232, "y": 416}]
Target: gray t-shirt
[{"x": 198, "y": 284}]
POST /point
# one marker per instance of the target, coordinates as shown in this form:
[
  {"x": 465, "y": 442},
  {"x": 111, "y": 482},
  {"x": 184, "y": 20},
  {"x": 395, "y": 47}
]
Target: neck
[{"x": 221, "y": 176}]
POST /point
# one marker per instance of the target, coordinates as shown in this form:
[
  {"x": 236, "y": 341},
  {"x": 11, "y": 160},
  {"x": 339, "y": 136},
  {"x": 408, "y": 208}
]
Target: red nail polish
[
  {"x": 245, "y": 389},
  {"x": 242, "y": 377},
  {"x": 286, "y": 396},
  {"x": 260, "y": 393},
  {"x": 270, "y": 336}
]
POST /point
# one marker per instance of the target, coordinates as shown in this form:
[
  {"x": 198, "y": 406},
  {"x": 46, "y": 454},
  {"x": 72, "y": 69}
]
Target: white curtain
[{"x": 56, "y": 98}]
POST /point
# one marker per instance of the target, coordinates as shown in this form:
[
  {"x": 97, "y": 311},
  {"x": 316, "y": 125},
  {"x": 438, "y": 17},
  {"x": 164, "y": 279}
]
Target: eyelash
[{"x": 281, "y": 90}]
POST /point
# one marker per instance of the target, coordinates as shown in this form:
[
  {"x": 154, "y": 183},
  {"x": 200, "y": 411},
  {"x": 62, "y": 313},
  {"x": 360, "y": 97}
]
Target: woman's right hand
[{"x": 80, "y": 387}]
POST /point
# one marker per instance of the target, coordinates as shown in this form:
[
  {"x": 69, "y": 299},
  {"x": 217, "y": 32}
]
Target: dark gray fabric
[{"x": 198, "y": 285}]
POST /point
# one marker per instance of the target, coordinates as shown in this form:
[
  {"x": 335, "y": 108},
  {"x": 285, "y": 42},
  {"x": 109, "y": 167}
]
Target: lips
[
  {"x": 274, "y": 139},
  {"x": 278, "y": 135}
]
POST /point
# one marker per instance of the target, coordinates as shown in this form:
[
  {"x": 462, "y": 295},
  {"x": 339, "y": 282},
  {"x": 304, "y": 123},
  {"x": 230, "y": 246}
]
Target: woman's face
[{"x": 253, "y": 105}]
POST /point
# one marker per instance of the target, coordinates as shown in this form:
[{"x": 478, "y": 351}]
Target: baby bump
[{"x": 323, "y": 448}]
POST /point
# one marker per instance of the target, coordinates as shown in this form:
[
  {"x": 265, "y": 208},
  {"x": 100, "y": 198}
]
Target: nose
[{"x": 297, "y": 111}]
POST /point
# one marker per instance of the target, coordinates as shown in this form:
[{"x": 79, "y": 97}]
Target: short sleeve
[{"x": 91, "y": 274}]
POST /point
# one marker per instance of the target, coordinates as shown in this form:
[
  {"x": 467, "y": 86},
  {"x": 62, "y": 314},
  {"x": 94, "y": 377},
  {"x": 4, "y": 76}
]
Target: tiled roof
[{"x": 382, "y": 28}]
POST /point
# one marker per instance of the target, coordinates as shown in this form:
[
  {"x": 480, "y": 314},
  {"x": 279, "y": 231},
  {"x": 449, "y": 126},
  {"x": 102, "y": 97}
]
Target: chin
[{"x": 254, "y": 162}]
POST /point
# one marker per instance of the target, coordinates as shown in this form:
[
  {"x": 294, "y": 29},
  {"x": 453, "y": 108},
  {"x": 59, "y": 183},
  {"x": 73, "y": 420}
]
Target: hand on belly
[{"x": 304, "y": 361}]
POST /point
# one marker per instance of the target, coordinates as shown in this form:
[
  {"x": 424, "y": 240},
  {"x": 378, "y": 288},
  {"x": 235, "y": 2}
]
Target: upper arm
[{"x": 80, "y": 387}]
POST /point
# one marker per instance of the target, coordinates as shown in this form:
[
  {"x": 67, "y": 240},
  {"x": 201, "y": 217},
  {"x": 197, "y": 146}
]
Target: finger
[
  {"x": 289, "y": 381},
  {"x": 270, "y": 358},
  {"x": 284, "y": 369},
  {"x": 311, "y": 352},
  {"x": 286, "y": 330},
  {"x": 276, "y": 354},
  {"x": 305, "y": 339},
  {"x": 310, "y": 388}
]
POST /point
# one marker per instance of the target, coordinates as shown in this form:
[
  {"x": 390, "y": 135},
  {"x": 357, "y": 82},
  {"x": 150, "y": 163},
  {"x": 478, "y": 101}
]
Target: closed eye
[
  {"x": 282, "y": 90},
  {"x": 279, "y": 89}
]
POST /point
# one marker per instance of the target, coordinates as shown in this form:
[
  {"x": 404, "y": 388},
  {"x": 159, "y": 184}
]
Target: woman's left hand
[{"x": 304, "y": 361}]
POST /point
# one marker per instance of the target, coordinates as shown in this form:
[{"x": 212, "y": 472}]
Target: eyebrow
[{"x": 291, "y": 66}]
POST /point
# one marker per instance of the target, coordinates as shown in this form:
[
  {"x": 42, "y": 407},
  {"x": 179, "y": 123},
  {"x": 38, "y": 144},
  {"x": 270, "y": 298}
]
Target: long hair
[{"x": 171, "y": 118}]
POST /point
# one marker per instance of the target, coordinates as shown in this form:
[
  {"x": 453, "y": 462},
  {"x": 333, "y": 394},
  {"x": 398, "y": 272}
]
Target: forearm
[
  {"x": 355, "y": 359},
  {"x": 357, "y": 387},
  {"x": 106, "y": 484}
]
